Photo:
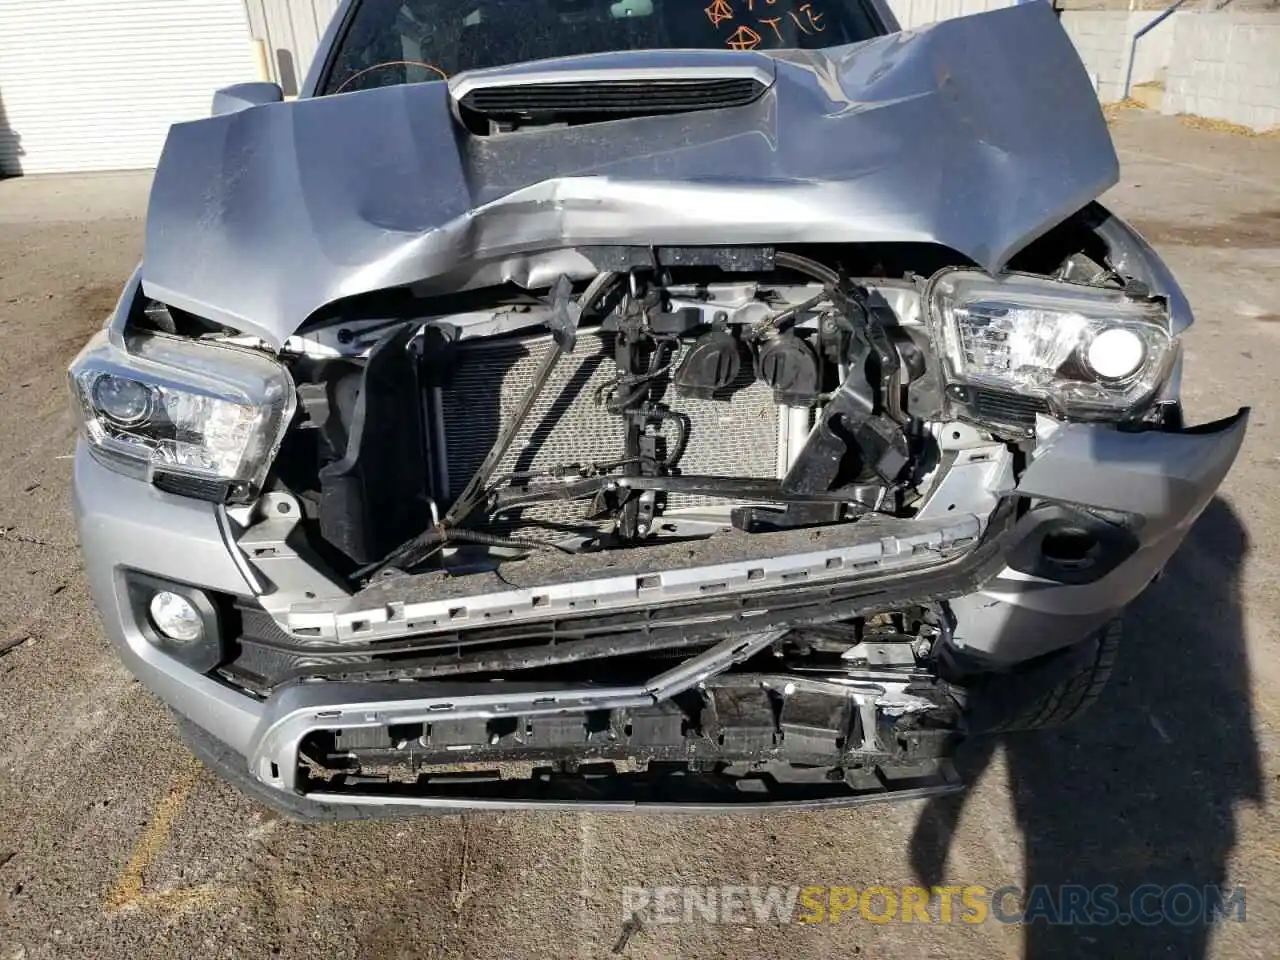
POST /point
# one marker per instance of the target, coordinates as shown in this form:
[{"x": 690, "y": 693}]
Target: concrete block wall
[
  {"x": 914, "y": 13},
  {"x": 1103, "y": 37},
  {"x": 1219, "y": 64},
  {"x": 1226, "y": 66},
  {"x": 1216, "y": 64}
]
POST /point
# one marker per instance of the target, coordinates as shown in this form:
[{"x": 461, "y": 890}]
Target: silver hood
[{"x": 978, "y": 134}]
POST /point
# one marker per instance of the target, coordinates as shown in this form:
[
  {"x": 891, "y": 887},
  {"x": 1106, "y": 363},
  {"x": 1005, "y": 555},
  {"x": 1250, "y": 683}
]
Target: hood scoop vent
[{"x": 498, "y": 109}]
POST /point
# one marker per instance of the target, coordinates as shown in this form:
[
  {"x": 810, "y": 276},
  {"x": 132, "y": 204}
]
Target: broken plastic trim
[
  {"x": 583, "y": 583},
  {"x": 765, "y": 786},
  {"x": 290, "y": 717}
]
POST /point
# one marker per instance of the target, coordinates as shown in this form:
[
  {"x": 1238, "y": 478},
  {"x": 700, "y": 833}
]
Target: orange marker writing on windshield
[{"x": 719, "y": 11}]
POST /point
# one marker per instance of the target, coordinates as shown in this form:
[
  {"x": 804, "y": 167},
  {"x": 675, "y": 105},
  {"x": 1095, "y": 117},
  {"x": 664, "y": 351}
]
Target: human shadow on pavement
[
  {"x": 10, "y": 146},
  {"x": 1143, "y": 789}
]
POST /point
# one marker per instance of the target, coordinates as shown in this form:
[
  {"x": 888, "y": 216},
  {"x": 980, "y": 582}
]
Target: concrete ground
[{"x": 114, "y": 843}]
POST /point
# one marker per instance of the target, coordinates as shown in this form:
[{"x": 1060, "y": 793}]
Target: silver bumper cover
[{"x": 1164, "y": 480}]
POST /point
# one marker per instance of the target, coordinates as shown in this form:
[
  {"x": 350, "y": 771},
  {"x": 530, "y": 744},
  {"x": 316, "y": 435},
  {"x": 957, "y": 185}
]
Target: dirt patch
[
  {"x": 1113, "y": 110},
  {"x": 94, "y": 302},
  {"x": 1225, "y": 126},
  {"x": 88, "y": 308},
  {"x": 1244, "y": 231},
  {"x": 57, "y": 323},
  {"x": 1268, "y": 318}
]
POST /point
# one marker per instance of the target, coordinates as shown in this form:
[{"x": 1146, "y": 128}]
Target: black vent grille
[
  {"x": 609, "y": 99},
  {"x": 1006, "y": 407},
  {"x": 202, "y": 488}
]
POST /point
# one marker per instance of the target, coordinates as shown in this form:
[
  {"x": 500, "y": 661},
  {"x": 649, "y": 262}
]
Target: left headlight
[
  {"x": 194, "y": 417},
  {"x": 1086, "y": 351}
]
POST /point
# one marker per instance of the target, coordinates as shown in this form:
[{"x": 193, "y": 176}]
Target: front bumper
[{"x": 1010, "y": 605}]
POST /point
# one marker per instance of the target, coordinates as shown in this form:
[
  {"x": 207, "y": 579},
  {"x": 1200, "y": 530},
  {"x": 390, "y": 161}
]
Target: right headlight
[
  {"x": 1086, "y": 351},
  {"x": 194, "y": 417}
]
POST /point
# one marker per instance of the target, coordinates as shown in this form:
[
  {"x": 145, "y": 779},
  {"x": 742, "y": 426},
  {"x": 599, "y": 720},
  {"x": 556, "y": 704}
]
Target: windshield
[{"x": 410, "y": 41}]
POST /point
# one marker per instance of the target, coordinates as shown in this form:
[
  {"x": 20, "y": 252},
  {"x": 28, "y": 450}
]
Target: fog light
[
  {"x": 180, "y": 620},
  {"x": 176, "y": 617}
]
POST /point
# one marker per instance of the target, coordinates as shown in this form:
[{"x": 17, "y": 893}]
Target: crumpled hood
[{"x": 978, "y": 133}]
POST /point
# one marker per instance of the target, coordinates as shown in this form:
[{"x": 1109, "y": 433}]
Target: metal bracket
[{"x": 565, "y": 315}]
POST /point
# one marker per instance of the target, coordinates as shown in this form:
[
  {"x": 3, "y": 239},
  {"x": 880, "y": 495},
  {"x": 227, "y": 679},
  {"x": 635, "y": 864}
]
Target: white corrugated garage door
[
  {"x": 94, "y": 84},
  {"x": 291, "y": 30}
]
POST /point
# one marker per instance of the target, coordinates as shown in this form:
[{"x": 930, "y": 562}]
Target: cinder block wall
[
  {"x": 1213, "y": 64},
  {"x": 1225, "y": 66},
  {"x": 915, "y": 13},
  {"x": 1102, "y": 38}
]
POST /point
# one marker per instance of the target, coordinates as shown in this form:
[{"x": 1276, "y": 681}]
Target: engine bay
[
  {"x": 676, "y": 446},
  {"x": 648, "y": 407}
]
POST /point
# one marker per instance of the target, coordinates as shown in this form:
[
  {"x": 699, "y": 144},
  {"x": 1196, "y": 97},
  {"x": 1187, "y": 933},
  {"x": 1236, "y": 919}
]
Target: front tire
[{"x": 1007, "y": 703}]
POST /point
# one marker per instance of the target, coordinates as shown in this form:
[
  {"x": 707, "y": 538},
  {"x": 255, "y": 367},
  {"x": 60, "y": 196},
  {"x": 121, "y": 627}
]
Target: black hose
[
  {"x": 430, "y": 537},
  {"x": 823, "y": 274},
  {"x": 793, "y": 261},
  {"x": 438, "y": 536},
  {"x": 682, "y": 438},
  {"x": 472, "y": 494},
  {"x": 483, "y": 539}
]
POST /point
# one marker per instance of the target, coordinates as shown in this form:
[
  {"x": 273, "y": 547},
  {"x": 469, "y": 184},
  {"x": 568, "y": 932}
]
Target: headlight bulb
[
  {"x": 125, "y": 401},
  {"x": 1115, "y": 353}
]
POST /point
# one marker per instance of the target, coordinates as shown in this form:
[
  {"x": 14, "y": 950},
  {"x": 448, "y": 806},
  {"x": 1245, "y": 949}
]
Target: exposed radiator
[{"x": 734, "y": 437}]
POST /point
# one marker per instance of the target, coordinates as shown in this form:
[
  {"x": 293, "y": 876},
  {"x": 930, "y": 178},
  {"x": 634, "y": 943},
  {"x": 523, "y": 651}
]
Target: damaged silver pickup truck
[{"x": 635, "y": 403}]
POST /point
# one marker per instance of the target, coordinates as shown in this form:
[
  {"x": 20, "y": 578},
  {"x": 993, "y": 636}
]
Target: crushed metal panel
[
  {"x": 1167, "y": 478},
  {"x": 978, "y": 134}
]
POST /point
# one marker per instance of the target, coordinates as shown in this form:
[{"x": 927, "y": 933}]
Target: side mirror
[{"x": 242, "y": 96}]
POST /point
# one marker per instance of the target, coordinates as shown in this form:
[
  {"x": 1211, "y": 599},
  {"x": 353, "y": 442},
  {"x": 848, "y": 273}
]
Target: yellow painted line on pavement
[{"x": 126, "y": 893}]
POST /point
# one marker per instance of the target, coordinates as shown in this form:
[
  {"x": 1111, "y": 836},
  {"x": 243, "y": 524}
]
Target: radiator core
[{"x": 738, "y": 436}]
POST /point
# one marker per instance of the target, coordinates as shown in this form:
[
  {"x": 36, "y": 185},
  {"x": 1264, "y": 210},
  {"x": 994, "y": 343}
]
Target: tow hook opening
[{"x": 1071, "y": 548}]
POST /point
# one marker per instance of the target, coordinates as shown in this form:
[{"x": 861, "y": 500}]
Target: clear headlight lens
[
  {"x": 1083, "y": 349},
  {"x": 122, "y": 400},
  {"x": 185, "y": 407}
]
